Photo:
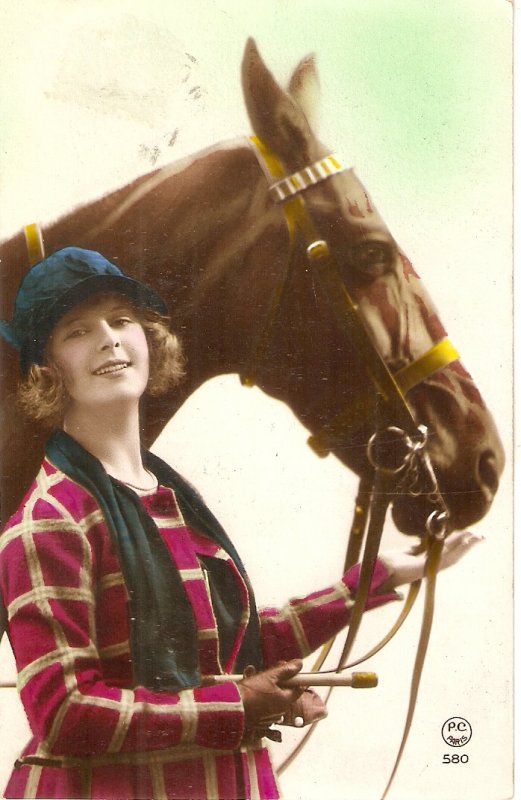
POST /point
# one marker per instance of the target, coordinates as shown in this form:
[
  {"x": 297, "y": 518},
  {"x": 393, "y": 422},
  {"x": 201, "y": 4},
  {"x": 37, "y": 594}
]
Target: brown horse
[{"x": 209, "y": 238}]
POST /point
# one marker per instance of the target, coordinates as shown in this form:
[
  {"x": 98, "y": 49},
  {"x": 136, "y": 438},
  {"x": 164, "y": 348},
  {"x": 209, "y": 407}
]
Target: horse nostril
[{"x": 487, "y": 471}]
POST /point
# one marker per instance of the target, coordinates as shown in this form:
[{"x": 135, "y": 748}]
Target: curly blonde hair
[{"x": 42, "y": 393}]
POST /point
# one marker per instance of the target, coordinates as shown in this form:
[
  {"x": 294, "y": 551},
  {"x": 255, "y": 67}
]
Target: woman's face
[{"x": 101, "y": 352}]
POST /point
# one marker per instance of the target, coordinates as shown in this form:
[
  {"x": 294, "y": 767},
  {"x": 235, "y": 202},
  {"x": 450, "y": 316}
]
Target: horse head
[
  {"x": 208, "y": 236},
  {"x": 312, "y": 367}
]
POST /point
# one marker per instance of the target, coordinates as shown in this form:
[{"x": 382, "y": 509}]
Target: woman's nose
[{"x": 109, "y": 336}]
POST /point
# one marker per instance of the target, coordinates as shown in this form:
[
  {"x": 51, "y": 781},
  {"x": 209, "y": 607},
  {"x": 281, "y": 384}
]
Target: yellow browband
[{"x": 287, "y": 190}]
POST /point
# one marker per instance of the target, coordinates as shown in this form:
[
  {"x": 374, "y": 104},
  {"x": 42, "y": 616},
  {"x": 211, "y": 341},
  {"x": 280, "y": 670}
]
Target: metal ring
[
  {"x": 437, "y": 518},
  {"x": 406, "y": 440},
  {"x": 420, "y": 443}
]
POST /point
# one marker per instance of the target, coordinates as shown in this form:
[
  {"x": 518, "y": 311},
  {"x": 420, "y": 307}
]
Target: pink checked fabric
[{"x": 95, "y": 733}]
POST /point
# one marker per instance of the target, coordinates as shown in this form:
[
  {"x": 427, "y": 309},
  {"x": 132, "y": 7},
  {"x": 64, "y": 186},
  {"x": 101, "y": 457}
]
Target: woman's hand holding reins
[{"x": 408, "y": 567}]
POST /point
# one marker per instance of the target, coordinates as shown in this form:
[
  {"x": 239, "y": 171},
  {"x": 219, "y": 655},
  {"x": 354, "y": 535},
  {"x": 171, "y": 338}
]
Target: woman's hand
[
  {"x": 408, "y": 567},
  {"x": 264, "y": 696},
  {"x": 307, "y": 709}
]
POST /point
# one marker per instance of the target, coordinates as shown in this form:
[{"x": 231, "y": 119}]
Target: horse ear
[
  {"x": 275, "y": 117},
  {"x": 304, "y": 87}
]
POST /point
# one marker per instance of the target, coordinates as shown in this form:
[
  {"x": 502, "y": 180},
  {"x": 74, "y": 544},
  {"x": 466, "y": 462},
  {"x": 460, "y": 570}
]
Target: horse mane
[
  {"x": 204, "y": 194},
  {"x": 147, "y": 183}
]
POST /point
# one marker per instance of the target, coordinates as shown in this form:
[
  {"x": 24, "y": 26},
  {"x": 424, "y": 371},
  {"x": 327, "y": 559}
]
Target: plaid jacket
[{"x": 95, "y": 733}]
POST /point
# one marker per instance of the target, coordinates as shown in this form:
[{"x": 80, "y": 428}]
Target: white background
[{"x": 89, "y": 90}]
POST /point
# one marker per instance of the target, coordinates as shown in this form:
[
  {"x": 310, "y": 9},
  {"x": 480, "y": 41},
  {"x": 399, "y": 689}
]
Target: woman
[{"x": 122, "y": 590}]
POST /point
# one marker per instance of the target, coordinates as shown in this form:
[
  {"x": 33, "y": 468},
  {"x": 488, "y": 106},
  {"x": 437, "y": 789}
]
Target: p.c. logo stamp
[{"x": 456, "y": 732}]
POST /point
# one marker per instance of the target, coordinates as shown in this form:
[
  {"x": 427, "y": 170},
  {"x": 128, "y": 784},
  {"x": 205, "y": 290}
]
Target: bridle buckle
[{"x": 317, "y": 250}]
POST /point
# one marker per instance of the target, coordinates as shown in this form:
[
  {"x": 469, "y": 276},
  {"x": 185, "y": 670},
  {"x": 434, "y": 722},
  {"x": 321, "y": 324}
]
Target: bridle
[
  {"x": 395, "y": 429},
  {"x": 390, "y": 388}
]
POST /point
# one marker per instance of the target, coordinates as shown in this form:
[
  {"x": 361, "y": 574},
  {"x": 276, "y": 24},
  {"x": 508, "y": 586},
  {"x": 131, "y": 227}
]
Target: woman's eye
[
  {"x": 122, "y": 321},
  {"x": 371, "y": 258},
  {"x": 74, "y": 334}
]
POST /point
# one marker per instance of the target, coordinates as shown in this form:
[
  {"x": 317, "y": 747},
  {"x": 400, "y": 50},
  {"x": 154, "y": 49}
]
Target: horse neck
[
  {"x": 227, "y": 245},
  {"x": 183, "y": 230}
]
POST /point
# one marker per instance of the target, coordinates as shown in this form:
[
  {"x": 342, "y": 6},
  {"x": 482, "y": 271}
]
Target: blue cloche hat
[{"x": 54, "y": 286}]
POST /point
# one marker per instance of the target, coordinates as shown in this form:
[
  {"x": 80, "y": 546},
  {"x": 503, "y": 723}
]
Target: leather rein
[{"x": 396, "y": 427}]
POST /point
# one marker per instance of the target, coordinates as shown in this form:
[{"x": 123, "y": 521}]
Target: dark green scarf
[{"x": 163, "y": 636}]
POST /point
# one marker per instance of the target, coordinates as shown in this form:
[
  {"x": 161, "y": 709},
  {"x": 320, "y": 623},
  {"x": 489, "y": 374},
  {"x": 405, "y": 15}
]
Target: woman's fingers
[
  {"x": 264, "y": 694},
  {"x": 307, "y": 709},
  {"x": 457, "y": 545},
  {"x": 405, "y": 567}
]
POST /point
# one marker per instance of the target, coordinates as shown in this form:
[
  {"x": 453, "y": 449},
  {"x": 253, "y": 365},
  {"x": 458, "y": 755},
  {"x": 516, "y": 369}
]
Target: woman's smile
[{"x": 112, "y": 367}]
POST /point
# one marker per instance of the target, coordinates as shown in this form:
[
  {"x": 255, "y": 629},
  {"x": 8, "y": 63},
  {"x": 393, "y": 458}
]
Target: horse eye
[{"x": 371, "y": 258}]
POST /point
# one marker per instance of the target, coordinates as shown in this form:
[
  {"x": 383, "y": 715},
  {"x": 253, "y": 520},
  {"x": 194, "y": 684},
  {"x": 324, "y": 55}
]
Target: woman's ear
[
  {"x": 50, "y": 372},
  {"x": 49, "y": 366}
]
